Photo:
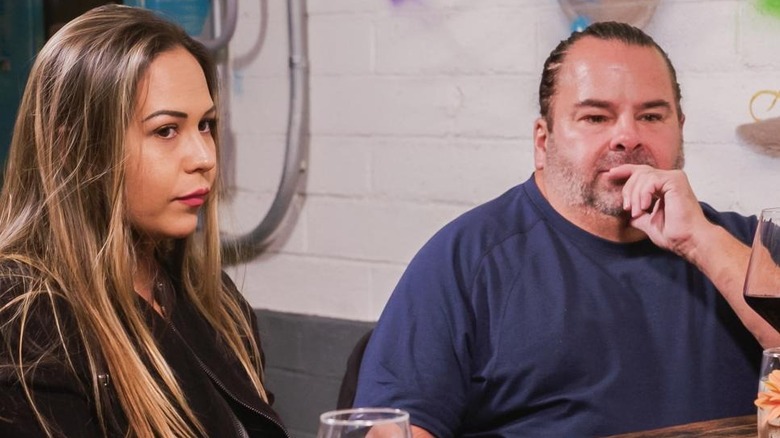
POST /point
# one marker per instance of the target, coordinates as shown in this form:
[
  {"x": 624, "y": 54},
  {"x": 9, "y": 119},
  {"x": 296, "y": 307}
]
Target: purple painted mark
[{"x": 407, "y": 3}]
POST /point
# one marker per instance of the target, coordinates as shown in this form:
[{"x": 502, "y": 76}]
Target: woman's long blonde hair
[{"x": 63, "y": 219}]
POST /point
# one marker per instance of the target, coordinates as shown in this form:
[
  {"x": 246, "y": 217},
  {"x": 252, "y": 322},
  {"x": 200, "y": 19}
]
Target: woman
[{"x": 115, "y": 317}]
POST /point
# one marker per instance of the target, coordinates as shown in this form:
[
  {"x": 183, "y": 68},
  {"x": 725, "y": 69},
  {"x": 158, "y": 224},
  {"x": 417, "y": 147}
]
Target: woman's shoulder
[
  {"x": 39, "y": 325},
  {"x": 25, "y": 293},
  {"x": 15, "y": 277},
  {"x": 229, "y": 286},
  {"x": 27, "y": 289}
]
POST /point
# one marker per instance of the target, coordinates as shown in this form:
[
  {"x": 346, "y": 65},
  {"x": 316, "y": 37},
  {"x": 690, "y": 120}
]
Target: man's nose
[{"x": 626, "y": 136}]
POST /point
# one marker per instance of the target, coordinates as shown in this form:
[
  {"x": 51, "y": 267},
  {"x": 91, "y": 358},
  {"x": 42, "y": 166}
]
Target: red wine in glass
[{"x": 762, "y": 282}]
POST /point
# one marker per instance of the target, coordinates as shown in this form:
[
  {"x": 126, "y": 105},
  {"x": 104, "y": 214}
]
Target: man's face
[{"x": 614, "y": 104}]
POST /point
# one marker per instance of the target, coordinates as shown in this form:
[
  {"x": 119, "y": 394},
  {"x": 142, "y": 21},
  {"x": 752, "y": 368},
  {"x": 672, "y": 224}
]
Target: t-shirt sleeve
[
  {"x": 741, "y": 227},
  {"x": 418, "y": 358}
]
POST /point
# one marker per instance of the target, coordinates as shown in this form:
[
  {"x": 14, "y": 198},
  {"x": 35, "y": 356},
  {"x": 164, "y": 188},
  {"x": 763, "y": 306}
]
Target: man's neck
[{"x": 612, "y": 228}]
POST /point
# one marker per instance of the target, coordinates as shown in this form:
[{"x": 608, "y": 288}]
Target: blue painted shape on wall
[
  {"x": 21, "y": 36},
  {"x": 189, "y": 14}
]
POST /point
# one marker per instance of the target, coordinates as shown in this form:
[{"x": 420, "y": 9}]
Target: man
[{"x": 598, "y": 297}]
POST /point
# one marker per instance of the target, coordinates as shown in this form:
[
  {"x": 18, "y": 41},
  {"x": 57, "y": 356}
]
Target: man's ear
[{"x": 541, "y": 135}]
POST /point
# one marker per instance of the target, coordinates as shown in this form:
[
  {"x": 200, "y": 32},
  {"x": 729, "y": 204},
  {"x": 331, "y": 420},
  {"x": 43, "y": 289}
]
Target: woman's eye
[
  {"x": 207, "y": 125},
  {"x": 166, "y": 132}
]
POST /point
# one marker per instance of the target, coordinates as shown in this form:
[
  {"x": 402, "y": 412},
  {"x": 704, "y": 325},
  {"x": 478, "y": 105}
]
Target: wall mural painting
[
  {"x": 763, "y": 134},
  {"x": 769, "y": 7}
]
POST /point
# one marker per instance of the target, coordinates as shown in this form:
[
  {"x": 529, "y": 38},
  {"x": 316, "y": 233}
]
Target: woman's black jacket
[{"x": 213, "y": 381}]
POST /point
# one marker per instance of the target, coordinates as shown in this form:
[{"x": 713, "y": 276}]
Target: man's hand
[{"x": 662, "y": 205}]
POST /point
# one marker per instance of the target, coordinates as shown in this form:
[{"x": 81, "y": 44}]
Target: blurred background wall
[
  {"x": 419, "y": 110},
  {"x": 422, "y": 109}
]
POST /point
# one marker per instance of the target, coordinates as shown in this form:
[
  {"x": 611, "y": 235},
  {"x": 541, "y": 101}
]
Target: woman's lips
[{"x": 194, "y": 199}]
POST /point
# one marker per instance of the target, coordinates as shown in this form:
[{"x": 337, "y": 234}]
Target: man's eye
[
  {"x": 651, "y": 117},
  {"x": 595, "y": 119}
]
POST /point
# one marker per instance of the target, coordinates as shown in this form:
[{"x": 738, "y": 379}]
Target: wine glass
[
  {"x": 762, "y": 282},
  {"x": 767, "y": 390},
  {"x": 762, "y": 293},
  {"x": 365, "y": 422}
]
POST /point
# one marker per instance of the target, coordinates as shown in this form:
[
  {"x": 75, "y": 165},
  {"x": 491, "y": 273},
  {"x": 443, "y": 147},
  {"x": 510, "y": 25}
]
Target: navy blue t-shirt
[{"x": 511, "y": 321}]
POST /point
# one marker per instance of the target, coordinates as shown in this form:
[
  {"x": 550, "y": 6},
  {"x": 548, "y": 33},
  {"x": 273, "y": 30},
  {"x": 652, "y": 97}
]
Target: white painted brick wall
[
  {"x": 421, "y": 109},
  {"x": 456, "y": 41},
  {"x": 421, "y": 105},
  {"x": 341, "y": 45}
]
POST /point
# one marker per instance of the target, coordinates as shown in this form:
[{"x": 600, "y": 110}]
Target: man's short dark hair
[{"x": 607, "y": 30}]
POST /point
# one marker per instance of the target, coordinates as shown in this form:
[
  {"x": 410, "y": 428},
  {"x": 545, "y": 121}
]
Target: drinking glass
[
  {"x": 768, "y": 428},
  {"x": 365, "y": 422},
  {"x": 762, "y": 282},
  {"x": 762, "y": 293}
]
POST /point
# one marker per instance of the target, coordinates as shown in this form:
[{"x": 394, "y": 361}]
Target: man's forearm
[
  {"x": 419, "y": 432},
  {"x": 724, "y": 260}
]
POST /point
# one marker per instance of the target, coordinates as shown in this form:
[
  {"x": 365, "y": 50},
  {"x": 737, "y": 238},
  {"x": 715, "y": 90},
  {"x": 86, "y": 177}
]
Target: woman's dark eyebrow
[
  {"x": 177, "y": 114},
  {"x": 171, "y": 113}
]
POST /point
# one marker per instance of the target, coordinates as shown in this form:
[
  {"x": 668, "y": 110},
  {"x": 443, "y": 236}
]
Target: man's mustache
[{"x": 614, "y": 159}]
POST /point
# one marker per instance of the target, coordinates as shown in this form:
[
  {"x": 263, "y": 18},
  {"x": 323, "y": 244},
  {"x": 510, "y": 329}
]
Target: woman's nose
[{"x": 202, "y": 155}]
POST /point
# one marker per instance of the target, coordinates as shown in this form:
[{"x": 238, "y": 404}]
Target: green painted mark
[{"x": 771, "y": 7}]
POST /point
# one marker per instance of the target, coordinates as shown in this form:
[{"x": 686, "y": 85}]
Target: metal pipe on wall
[
  {"x": 226, "y": 31},
  {"x": 251, "y": 244}
]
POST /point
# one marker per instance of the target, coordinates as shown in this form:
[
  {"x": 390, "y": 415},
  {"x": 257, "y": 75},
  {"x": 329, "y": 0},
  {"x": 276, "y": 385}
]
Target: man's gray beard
[{"x": 580, "y": 190}]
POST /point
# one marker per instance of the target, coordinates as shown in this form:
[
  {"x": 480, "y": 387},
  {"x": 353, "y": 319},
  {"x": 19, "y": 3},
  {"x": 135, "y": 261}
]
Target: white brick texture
[{"x": 421, "y": 109}]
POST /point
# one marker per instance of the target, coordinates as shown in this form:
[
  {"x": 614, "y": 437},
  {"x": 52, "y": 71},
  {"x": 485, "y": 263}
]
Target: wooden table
[{"x": 735, "y": 427}]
